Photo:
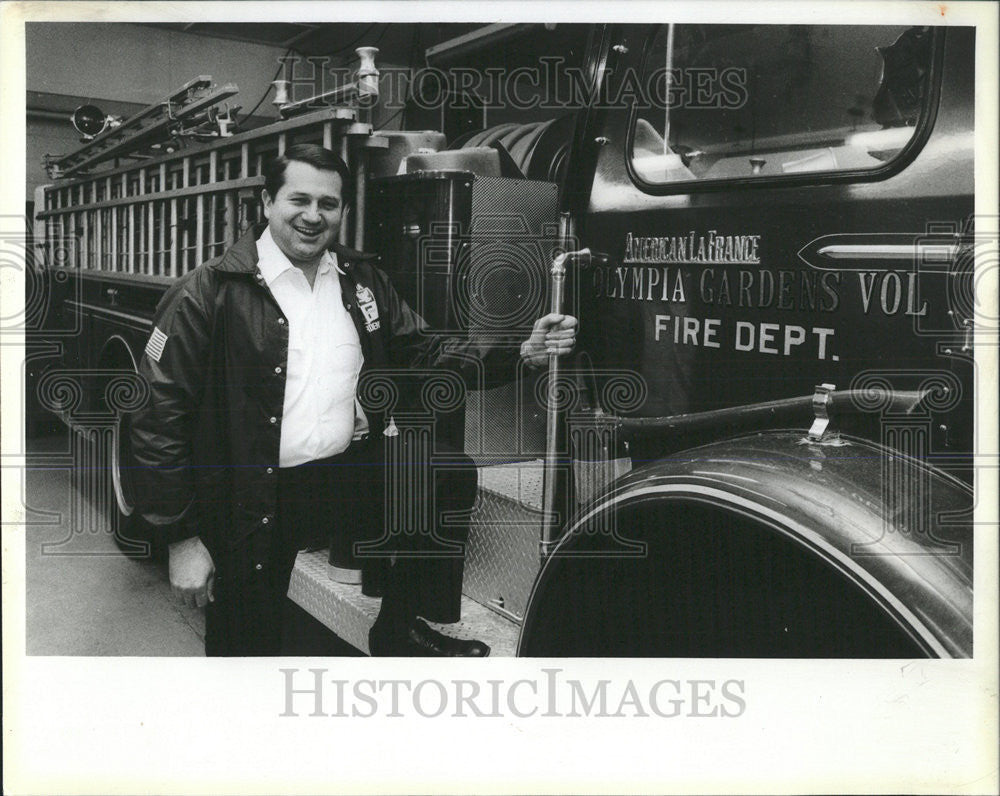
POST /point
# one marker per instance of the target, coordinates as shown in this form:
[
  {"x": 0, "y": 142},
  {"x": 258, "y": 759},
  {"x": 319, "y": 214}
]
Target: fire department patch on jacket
[
  {"x": 154, "y": 348},
  {"x": 368, "y": 307}
]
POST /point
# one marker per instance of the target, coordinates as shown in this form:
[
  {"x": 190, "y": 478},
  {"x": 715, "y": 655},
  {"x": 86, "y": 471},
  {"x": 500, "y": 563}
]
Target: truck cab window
[{"x": 726, "y": 102}]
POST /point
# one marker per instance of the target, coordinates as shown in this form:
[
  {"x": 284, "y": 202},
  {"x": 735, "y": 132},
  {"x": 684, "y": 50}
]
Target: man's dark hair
[{"x": 316, "y": 156}]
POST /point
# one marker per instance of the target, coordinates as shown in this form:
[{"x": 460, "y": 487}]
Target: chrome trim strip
[{"x": 888, "y": 251}]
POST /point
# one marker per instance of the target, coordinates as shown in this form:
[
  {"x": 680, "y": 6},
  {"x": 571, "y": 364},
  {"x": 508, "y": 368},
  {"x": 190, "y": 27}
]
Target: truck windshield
[{"x": 739, "y": 101}]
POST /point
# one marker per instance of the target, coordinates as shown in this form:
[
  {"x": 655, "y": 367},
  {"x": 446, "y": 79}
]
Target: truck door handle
[{"x": 112, "y": 294}]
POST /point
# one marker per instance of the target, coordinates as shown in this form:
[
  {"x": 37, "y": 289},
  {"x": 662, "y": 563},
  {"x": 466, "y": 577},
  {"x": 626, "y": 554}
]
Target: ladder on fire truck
[
  {"x": 164, "y": 215},
  {"x": 152, "y": 124}
]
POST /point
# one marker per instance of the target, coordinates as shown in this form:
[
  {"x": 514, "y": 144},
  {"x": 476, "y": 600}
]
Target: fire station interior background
[
  {"x": 108, "y": 604},
  {"x": 841, "y": 119},
  {"x": 69, "y": 64}
]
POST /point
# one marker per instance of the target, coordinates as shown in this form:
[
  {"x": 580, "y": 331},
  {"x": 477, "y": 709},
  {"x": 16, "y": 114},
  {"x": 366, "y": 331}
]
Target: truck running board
[
  {"x": 503, "y": 556},
  {"x": 350, "y": 614}
]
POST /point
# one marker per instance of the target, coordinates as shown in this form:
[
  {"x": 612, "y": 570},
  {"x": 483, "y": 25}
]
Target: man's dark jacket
[{"x": 206, "y": 444}]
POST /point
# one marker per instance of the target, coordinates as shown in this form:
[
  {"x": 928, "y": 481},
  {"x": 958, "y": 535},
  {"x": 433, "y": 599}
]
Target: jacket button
[
  {"x": 265, "y": 520},
  {"x": 274, "y": 420},
  {"x": 270, "y": 470},
  {"x": 278, "y": 369},
  {"x": 281, "y": 321},
  {"x": 258, "y": 567},
  {"x": 348, "y": 306}
]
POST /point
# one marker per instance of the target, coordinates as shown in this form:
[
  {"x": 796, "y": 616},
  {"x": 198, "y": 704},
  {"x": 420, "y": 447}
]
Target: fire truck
[{"x": 763, "y": 444}]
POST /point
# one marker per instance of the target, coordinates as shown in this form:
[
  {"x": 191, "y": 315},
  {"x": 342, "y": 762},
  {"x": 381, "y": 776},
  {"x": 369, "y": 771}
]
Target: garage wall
[
  {"x": 138, "y": 63},
  {"x": 118, "y": 66},
  {"x": 123, "y": 67}
]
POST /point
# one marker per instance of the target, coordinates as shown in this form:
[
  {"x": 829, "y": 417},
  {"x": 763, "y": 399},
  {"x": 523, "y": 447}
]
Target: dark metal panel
[{"x": 470, "y": 255}]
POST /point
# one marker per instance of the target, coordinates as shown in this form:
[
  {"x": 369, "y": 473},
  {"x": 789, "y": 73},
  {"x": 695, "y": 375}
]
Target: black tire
[
  {"x": 117, "y": 392},
  {"x": 133, "y": 535}
]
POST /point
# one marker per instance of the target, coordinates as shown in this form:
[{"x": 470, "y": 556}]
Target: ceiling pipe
[{"x": 452, "y": 50}]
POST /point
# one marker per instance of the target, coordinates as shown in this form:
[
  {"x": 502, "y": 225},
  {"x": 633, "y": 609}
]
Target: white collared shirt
[{"x": 321, "y": 413}]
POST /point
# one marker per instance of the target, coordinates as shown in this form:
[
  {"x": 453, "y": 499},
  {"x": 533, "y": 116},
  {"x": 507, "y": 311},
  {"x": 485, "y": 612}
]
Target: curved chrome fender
[{"x": 898, "y": 530}]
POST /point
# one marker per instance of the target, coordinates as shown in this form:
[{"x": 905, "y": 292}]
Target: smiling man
[
  {"x": 304, "y": 217},
  {"x": 254, "y": 445}
]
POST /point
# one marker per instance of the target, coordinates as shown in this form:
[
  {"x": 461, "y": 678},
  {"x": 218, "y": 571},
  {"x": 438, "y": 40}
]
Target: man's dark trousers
[{"x": 341, "y": 500}]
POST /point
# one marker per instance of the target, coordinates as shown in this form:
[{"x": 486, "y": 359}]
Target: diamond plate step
[
  {"x": 350, "y": 614},
  {"x": 504, "y": 550}
]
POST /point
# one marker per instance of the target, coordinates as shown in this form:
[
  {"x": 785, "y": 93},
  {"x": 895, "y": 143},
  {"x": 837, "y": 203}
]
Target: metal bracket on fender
[{"x": 821, "y": 402}]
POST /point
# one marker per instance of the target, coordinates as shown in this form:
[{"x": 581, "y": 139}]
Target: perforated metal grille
[{"x": 501, "y": 287}]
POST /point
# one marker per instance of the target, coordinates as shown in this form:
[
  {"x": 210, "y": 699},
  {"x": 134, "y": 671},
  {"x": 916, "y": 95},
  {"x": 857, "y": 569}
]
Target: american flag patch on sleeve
[{"x": 154, "y": 348}]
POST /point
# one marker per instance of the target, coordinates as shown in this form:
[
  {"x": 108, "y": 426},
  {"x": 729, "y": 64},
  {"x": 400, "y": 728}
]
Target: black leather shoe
[
  {"x": 420, "y": 640},
  {"x": 393, "y": 641},
  {"x": 424, "y": 634}
]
